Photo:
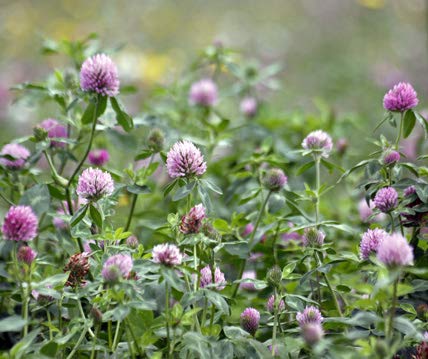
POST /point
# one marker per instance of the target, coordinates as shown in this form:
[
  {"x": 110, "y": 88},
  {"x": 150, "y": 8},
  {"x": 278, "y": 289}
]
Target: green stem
[
  {"x": 131, "y": 212},
  {"x": 392, "y": 222},
  {"x": 82, "y": 161},
  {"x": 109, "y": 335},
  {"x": 400, "y": 131},
  {"x": 212, "y": 317},
  {"x": 82, "y": 313},
  {"x": 48, "y": 314},
  {"x": 394, "y": 305},
  {"x": 79, "y": 341},
  {"x": 275, "y": 309},
  {"x": 94, "y": 342},
  {"x": 140, "y": 353},
  {"x": 168, "y": 338},
  {"x": 116, "y": 336},
  {"x": 317, "y": 159},
  {"x": 330, "y": 288},
  {"x": 250, "y": 242}
]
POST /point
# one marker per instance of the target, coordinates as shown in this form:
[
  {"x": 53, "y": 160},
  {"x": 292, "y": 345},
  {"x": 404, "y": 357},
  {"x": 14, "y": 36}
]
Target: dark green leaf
[
  {"x": 79, "y": 215},
  {"x": 15, "y": 323},
  {"x": 409, "y": 122},
  {"x": 137, "y": 189},
  {"x": 422, "y": 122},
  {"x": 184, "y": 191},
  {"x": 304, "y": 168},
  {"x": 122, "y": 117},
  {"x": 96, "y": 216}
]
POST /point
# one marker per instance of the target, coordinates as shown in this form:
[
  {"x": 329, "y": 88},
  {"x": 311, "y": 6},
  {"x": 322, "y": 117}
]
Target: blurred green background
[{"x": 346, "y": 52}]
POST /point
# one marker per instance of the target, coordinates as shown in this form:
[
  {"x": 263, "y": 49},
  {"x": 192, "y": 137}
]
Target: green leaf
[
  {"x": 288, "y": 269},
  {"x": 143, "y": 155},
  {"x": 15, "y": 323},
  {"x": 137, "y": 189},
  {"x": 218, "y": 301},
  {"x": 122, "y": 117},
  {"x": 211, "y": 186},
  {"x": 422, "y": 122},
  {"x": 38, "y": 198},
  {"x": 331, "y": 166},
  {"x": 409, "y": 122},
  {"x": 96, "y": 216},
  {"x": 169, "y": 187},
  {"x": 20, "y": 349},
  {"x": 79, "y": 215},
  {"x": 49, "y": 349},
  {"x": 184, "y": 191},
  {"x": 304, "y": 168},
  {"x": 408, "y": 308},
  {"x": 88, "y": 115}
]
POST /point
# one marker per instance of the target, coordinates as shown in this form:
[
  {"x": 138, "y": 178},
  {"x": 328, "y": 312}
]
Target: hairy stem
[{"x": 394, "y": 305}]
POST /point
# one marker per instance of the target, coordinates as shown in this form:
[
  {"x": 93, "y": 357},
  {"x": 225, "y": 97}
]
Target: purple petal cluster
[
  {"x": 192, "y": 221},
  {"x": 250, "y": 319},
  {"x": 394, "y": 251},
  {"x": 99, "y": 74},
  {"x": 318, "y": 142},
  {"x": 391, "y": 158},
  {"x": 310, "y": 314},
  {"x": 26, "y": 254},
  {"x": 275, "y": 179},
  {"x": 206, "y": 278},
  {"x": 248, "y": 274},
  {"x": 116, "y": 267},
  {"x": 366, "y": 211},
  {"x": 370, "y": 242},
  {"x": 19, "y": 154},
  {"x": 20, "y": 224},
  {"x": 270, "y": 304},
  {"x": 94, "y": 184},
  {"x": 203, "y": 93},
  {"x": 132, "y": 241},
  {"x": 167, "y": 254},
  {"x": 409, "y": 191},
  {"x": 312, "y": 333},
  {"x": 386, "y": 199},
  {"x": 313, "y": 237},
  {"x": 98, "y": 157},
  {"x": 184, "y": 159},
  {"x": 400, "y": 98},
  {"x": 248, "y": 106},
  {"x": 54, "y": 130}
]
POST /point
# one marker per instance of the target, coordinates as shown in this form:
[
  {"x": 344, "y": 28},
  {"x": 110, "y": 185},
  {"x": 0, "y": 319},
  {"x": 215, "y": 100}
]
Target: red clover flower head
[
  {"x": 386, "y": 199},
  {"x": 370, "y": 242},
  {"x": 167, "y": 254},
  {"x": 20, "y": 224},
  {"x": 116, "y": 267},
  {"x": 99, "y": 74},
  {"x": 94, "y": 184},
  {"x": 54, "y": 130},
  {"x": 26, "y": 254},
  {"x": 270, "y": 304},
  {"x": 250, "y": 319},
  {"x": 318, "y": 142},
  {"x": 400, "y": 98},
  {"x": 394, "y": 251},
  {"x": 207, "y": 279},
  {"x": 19, "y": 153},
  {"x": 203, "y": 93},
  {"x": 310, "y": 314},
  {"x": 192, "y": 221},
  {"x": 184, "y": 159},
  {"x": 312, "y": 333}
]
